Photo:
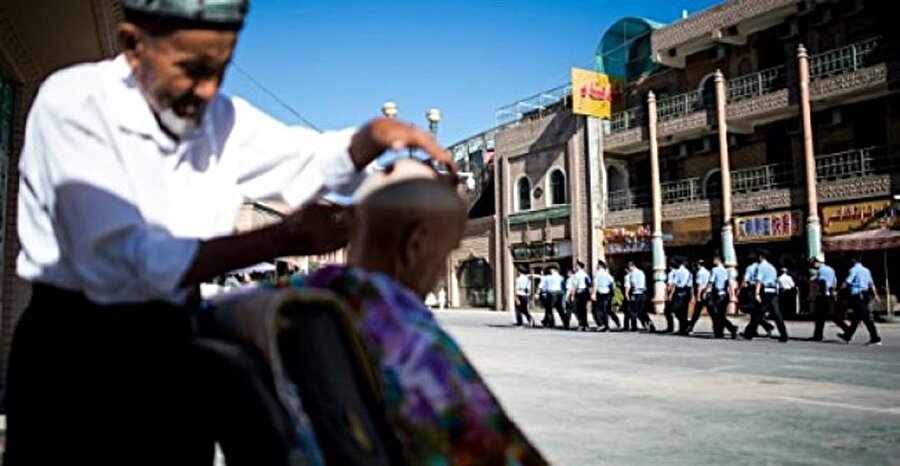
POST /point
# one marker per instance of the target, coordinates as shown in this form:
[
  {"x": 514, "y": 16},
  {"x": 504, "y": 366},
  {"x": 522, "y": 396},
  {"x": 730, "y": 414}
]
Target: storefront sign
[
  {"x": 536, "y": 251},
  {"x": 772, "y": 226},
  {"x": 628, "y": 240},
  {"x": 853, "y": 217},
  {"x": 592, "y": 93}
]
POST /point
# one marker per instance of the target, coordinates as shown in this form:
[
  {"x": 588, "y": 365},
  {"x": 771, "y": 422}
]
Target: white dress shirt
[{"x": 109, "y": 205}]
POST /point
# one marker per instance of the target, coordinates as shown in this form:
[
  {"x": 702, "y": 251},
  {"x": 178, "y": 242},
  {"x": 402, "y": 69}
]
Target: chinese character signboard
[
  {"x": 591, "y": 93},
  {"x": 628, "y": 240},
  {"x": 852, "y": 217},
  {"x": 774, "y": 226}
]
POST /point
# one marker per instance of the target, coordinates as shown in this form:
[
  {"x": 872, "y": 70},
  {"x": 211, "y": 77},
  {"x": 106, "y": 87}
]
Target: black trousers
[
  {"x": 678, "y": 306},
  {"x": 769, "y": 304},
  {"x": 522, "y": 310},
  {"x": 554, "y": 301},
  {"x": 603, "y": 310},
  {"x": 699, "y": 305},
  {"x": 636, "y": 311},
  {"x": 91, "y": 384},
  {"x": 860, "y": 305},
  {"x": 718, "y": 312},
  {"x": 824, "y": 310},
  {"x": 581, "y": 303},
  {"x": 748, "y": 305}
]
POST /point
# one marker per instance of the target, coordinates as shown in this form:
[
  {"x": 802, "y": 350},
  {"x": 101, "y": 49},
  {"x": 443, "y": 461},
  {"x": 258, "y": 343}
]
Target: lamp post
[
  {"x": 434, "y": 117},
  {"x": 389, "y": 110}
]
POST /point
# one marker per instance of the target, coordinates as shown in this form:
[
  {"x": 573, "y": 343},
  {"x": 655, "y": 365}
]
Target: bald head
[{"x": 408, "y": 221}]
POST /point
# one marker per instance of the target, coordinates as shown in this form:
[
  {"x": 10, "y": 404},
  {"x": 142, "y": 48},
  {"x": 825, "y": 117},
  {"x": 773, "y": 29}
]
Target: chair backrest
[{"x": 324, "y": 357}]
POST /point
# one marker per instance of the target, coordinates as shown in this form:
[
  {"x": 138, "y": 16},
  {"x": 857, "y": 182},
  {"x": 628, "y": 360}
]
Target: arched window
[
  {"x": 523, "y": 188},
  {"x": 557, "y": 187},
  {"x": 712, "y": 184}
]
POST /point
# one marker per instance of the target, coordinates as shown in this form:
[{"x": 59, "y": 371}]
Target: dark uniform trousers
[
  {"x": 603, "y": 310},
  {"x": 824, "y": 310},
  {"x": 860, "y": 305},
  {"x": 718, "y": 310},
  {"x": 581, "y": 303},
  {"x": 636, "y": 311},
  {"x": 678, "y": 306},
  {"x": 769, "y": 303},
  {"x": 522, "y": 310},
  {"x": 554, "y": 301}
]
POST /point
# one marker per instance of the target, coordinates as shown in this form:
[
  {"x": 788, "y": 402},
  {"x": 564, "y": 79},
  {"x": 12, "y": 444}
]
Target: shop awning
[{"x": 869, "y": 240}]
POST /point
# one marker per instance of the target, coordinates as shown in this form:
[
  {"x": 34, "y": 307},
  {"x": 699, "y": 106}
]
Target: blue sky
[{"x": 336, "y": 62}]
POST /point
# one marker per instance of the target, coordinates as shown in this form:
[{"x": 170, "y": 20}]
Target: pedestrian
[
  {"x": 747, "y": 299},
  {"x": 701, "y": 297},
  {"x": 823, "y": 291},
  {"x": 668, "y": 308},
  {"x": 721, "y": 292},
  {"x": 132, "y": 174},
  {"x": 442, "y": 298},
  {"x": 680, "y": 297},
  {"x": 862, "y": 292},
  {"x": 542, "y": 297},
  {"x": 582, "y": 294},
  {"x": 553, "y": 289},
  {"x": 523, "y": 295},
  {"x": 603, "y": 289},
  {"x": 787, "y": 293},
  {"x": 766, "y": 295},
  {"x": 636, "y": 291}
]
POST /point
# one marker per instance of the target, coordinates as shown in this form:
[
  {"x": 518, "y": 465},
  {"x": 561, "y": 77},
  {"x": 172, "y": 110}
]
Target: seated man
[{"x": 407, "y": 222}]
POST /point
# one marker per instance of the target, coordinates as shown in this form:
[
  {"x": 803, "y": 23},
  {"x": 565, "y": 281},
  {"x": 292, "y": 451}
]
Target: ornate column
[
  {"x": 728, "y": 254},
  {"x": 659, "y": 254},
  {"x": 813, "y": 227}
]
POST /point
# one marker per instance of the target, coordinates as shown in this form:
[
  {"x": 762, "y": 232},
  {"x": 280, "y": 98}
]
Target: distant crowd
[{"x": 762, "y": 291}]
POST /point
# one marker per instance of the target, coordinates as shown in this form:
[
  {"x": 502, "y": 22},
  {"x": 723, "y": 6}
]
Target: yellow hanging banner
[{"x": 592, "y": 93}]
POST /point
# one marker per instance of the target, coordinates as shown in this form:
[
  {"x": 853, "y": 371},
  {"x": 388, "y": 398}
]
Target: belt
[
  {"x": 769, "y": 290},
  {"x": 637, "y": 293}
]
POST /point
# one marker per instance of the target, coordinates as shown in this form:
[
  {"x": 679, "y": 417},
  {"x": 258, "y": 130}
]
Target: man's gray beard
[{"x": 176, "y": 125}]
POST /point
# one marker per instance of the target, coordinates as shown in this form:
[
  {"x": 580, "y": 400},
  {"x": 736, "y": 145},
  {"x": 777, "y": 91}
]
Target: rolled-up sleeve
[
  {"x": 76, "y": 180},
  {"x": 288, "y": 163}
]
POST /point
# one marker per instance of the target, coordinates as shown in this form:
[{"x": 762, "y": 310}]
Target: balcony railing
[
  {"x": 756, "y": 84},
  {"x": 762, "y": 178},
  {"x": 679, "y": 105},
  {"x": 686, "y": 190},
  {"x": 842, "y": 60},
  {"x": 625, "y": 120},
  {"x": 856, "y": 163},
  {"x": 533, "y": 105},
  {"x": 628, "y": 199}
]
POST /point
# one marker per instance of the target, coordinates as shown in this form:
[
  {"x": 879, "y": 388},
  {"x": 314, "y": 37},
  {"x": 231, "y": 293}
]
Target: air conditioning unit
[
  {"x": 820, "y": 17},
  {"x": 835, "y": 117},
  {"x": 789, "y": 29},
  {"x": 701, "y": 146},
  {"x": 733, "y": 140},
  {"x": 683, "y": 151},
  {"x": 718, "y": 53},
  {"x": 793, "y": 127},
  {"x": 850, "y": 7}
]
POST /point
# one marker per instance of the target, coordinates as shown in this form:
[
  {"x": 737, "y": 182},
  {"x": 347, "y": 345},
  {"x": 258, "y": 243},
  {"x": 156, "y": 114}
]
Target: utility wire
[{"x": 274, "y": 96}]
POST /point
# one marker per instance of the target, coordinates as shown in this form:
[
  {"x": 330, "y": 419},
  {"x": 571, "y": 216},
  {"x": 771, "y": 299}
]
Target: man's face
[
  {"x": 179, "y": 71},
  {"x": 428, "y": 267}
]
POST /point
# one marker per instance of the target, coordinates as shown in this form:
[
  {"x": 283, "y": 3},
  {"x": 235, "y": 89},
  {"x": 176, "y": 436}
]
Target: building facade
[{"x": 796, "y": 100}]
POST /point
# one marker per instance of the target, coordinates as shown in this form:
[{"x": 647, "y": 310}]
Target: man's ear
[
  {"x": 413, "y": 244},
  {"x": 132, "y": 42}
]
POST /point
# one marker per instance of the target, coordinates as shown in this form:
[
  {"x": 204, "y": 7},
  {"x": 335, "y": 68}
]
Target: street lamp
[
  {"x": 389, "y": 109},
  {"x": 434, "y": 117}
]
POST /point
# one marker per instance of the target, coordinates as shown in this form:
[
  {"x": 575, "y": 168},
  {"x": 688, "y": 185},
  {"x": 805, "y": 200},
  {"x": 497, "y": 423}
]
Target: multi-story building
[{"x": 729, "y": 89}]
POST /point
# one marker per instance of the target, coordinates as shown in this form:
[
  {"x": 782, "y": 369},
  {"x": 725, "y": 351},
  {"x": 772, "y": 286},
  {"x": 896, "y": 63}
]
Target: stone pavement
[{"x": 617, "y": 398}]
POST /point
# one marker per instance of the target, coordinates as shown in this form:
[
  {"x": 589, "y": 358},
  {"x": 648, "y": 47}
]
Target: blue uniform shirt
[
  {"x": 827, "y": 275},
  {"x": 859, "y": 280},
  {"x": 701, "y": 279},
  {"x": 719, "y": 278},
  {"x": 670, "y": 277},
  {"x": 767, "y": 275},
  {"x": 554, "y": 283},
  {"x": 603, "y": 281},
  {"x": 523, "y": 285},
  {"x": 638, "y": 281},
  {"x": 582, "y": 281},
  {"x": 682, "y": 277},
  {"x": 750, "y": 274}
]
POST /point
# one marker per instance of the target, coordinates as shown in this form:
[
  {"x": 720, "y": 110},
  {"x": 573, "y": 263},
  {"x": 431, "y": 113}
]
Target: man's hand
[
  {"x": 383, "y": 134},
  {"x": 315, "y": 229}
]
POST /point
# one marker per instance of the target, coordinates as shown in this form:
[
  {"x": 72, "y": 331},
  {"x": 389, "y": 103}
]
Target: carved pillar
[
  {"x": 728, "y": 254},
  {"x": 813, "y": 227},
  {"x": 659, "y": 254}
]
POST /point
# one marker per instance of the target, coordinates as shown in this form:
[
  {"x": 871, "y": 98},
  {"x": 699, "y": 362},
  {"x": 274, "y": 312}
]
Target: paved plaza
[{"x": 617, "y": 398}]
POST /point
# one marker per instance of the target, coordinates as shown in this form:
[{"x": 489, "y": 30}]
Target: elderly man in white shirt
[{"x": 133, "y": 171}]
